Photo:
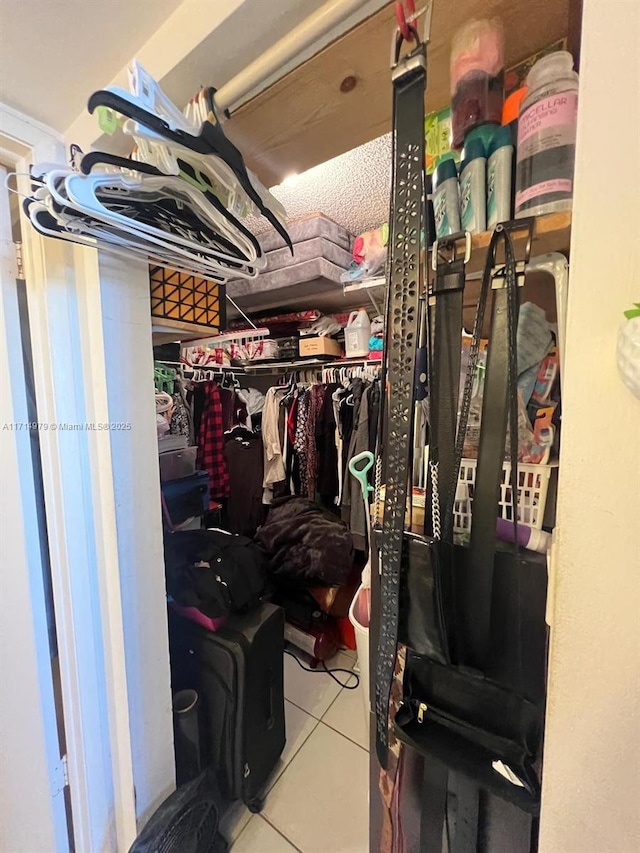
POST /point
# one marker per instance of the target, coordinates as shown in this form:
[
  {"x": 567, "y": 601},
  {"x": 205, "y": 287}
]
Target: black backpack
[{"x": 216, "y": 572}]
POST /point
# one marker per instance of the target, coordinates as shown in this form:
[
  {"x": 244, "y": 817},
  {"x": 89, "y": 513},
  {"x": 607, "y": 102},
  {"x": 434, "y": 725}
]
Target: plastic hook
[{"x": 401, "y": 18}]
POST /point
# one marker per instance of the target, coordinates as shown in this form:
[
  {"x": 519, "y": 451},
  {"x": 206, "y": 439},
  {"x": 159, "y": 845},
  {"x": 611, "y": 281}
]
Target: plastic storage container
[
  {"x": 533, "y": 485},
  {"x": 477, "y": 77},
  {"x": 547, "y": 137},
  {"x": 357, "y": 334},
  {"x": 175, "y": 464}
]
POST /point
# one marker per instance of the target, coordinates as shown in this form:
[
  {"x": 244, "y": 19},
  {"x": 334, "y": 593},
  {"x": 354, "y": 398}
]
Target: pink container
[{"x": 477, "y": 77}]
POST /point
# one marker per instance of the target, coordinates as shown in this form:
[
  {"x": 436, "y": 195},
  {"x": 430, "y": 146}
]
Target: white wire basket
[{"x": 533, "y": 484}]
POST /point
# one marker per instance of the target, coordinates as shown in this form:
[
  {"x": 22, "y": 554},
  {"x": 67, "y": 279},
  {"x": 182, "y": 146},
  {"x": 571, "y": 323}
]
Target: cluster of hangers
[
  {"x": 164, "y": 377},
  {"x": 179, "y": 201},
  {"x": 224, "y": 377},
  {"x": 330, "y": 375},
  {"x": 346, "y": 373}
]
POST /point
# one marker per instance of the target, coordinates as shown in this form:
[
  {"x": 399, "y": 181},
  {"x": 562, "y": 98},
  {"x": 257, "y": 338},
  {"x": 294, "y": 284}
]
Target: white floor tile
[
  {"x": 313, "y": 691},
  {"x": 346, "y": 715},
  {"x": 320, "y": 803},
  {"x": 351, "y": 654},
  {"x": 259, "y": 837},
  {"x": 299, "y": 726},
  {"x": 234, "y": 821}
]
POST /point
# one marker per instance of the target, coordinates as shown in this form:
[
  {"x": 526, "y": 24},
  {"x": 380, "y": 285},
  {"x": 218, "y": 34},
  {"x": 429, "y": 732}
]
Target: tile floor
[{"x": 317, "y": 798}]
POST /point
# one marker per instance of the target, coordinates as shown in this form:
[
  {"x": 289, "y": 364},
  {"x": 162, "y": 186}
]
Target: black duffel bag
[{"x": 217, "y": 572}]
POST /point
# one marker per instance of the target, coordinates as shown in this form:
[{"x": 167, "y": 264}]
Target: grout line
[
  {"x": 332, "y": 704},
  {"x": 288, "y": 764},
  {"x": 242, "y": 831},
  {"x": 281, "y": 834},
  {"x": 304, "y": 710},
  {"x": 346, "y": 737}
]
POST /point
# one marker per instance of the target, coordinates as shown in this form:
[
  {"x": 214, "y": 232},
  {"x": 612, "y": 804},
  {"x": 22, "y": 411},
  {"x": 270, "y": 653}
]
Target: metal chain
[
  {"x": 435, "y": 501},
  {"x": 377, "y": 492}
]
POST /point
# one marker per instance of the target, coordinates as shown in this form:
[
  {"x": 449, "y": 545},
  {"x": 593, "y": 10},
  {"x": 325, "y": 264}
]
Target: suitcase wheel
[{"x": 255, "y": 806}]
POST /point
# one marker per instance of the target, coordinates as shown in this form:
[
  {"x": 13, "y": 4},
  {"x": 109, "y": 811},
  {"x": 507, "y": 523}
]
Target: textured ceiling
[{"x": 352, "y": 189}]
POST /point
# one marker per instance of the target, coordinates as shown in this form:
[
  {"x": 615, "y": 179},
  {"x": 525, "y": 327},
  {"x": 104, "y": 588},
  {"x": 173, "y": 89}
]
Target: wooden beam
[{"x": 315, "y": 113}]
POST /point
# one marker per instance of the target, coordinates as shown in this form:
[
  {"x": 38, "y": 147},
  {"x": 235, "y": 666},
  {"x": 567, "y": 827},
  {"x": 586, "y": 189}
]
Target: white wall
[
  {"x": 31, "y": 807},
  {"x": 591, "y": 792},
  {"x": 126, "y": 322}
]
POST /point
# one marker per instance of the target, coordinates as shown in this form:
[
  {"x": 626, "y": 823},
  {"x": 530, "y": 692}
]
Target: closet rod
[{"x": 298, "y": 39}]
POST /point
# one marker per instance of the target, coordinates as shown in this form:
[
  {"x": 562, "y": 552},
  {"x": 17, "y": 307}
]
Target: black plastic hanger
[
  {"x": 95, "y": 158},
  {"x": 211, "y": 140}
]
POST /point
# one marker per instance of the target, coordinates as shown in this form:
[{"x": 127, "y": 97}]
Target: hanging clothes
[
  {"x": 300, "y": 442},
  {"x": 181, "y": 419},
  {"x": 356, "y": 517},
  {"x": 244, "y": 457},
  {"x": 349, "y": 412},
  {"x": 337, "y": 400},
  {"x": 228, "y": 403},
  {"x": 274, "y": 470},
  {"x": 210, "y": 456},
  {"x": 292, "y": 463},
  {"x": 326, "y": 427},
  {"x": 316, "y": 399},
  {"x": 374, "y": 414}
]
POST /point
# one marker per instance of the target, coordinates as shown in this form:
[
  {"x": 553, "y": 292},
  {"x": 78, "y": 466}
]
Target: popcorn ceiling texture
[{"x": 352, "y": 189}]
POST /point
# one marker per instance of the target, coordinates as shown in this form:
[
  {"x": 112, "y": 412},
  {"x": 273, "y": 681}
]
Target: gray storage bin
[{"x": 175, "y": 464}]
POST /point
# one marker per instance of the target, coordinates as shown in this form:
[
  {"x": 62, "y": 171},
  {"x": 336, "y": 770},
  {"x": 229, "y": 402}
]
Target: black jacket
[{"x": 306, "y": 543}]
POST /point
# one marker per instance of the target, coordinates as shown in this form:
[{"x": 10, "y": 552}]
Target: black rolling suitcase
[{"x": 238, "y": 674}]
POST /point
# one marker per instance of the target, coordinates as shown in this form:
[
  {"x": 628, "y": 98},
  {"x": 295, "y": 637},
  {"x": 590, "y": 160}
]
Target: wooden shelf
[
  {"x": 552, "y": 233},
  {"x": 305, "y": 118}
]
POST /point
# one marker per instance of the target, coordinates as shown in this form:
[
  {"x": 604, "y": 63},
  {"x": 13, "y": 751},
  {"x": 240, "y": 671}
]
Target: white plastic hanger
[
  {"x": 188, "y": 218},
  {"x": 81, "y": 192},
  {"x": 102, "y": 230},
  {"x": 94, "y": 237},
  {"x": 147, "y": 94}
]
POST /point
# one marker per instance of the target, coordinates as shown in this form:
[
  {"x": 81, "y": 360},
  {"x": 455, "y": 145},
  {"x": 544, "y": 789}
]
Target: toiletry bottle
[
  {"x": 528, "y": 537},
  {"x": 446, "y": 200},
  {"x": 477, "y": 77},
  {"x": 510, "y": 113},
  {"x": 547, "y": 137},
  {"x": 499, "y": 161},
  {"x": 473, "y": 181}
]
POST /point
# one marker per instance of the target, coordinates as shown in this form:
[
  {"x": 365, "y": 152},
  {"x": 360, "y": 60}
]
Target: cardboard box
[{"x": 320, "y": 346}]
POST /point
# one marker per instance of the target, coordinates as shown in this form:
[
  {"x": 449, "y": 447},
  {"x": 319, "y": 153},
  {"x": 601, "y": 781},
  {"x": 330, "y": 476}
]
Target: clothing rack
[
  {"x": 211, "y": 373},
  {"x": 277, "y": 367}
]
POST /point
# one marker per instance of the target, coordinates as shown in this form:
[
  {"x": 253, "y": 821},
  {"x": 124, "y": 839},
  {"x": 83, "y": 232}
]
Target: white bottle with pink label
[{"x": 547, "y": 137}]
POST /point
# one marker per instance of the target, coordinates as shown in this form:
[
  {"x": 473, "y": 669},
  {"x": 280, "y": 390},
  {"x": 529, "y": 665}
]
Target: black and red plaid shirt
[{"x": 210, "y": 456}]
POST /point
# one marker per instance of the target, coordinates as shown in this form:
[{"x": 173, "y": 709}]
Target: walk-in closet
[{"x": 307, "y": 342}]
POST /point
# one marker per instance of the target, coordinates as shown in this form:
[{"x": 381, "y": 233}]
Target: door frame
[{"x": 70, "y": 386}]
